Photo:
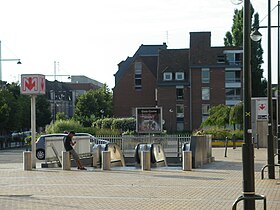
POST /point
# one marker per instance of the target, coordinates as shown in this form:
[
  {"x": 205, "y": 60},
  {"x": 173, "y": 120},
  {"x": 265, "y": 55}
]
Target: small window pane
[
  {"x": 138, "y": 68},
  {"x": 205, "y": 109},
  {"x": 180, "y": 93},
  {"x": 205, "y": 91},
  {"x": 205, "y": 75},
  {"x": 180, "y": 110},
  {"x": 167, "y": 76},
  {"x": 179, "y": 75}
]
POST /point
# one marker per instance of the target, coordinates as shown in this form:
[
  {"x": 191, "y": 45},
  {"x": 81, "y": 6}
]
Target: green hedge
[{"x": 221, "y": 134}]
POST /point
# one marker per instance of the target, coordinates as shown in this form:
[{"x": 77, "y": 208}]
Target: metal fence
[
  {"x": 172, "y": 144},
  {"x": 7, "y": 142}
]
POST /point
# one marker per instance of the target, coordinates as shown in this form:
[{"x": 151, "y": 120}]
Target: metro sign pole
[{"x": 33, "y": 84}]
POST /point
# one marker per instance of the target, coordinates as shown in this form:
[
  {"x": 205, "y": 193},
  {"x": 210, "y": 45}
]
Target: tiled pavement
[{"x": 214, "y": 186}]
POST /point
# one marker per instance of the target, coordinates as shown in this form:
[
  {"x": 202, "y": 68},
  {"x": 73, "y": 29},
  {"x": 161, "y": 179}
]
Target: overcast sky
[{"x": 90, "y": 37}]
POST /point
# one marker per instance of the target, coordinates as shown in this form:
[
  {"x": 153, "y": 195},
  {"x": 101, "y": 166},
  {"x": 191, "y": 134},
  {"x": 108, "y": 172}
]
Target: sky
[{"x": 87, "y": 37}]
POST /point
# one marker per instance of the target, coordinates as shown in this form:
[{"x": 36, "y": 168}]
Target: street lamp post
[
  {"x": 270, "y": 152},
  {"x": 278, "y": 92},
  {"x": 247, "y": 147},
  {"x": 249, "y": 195}
]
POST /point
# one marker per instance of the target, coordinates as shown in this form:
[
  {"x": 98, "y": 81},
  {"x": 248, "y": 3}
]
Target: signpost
[
  {"x": 149, "y": 120},
  {"x": 262, "y": 109},
  {"x": 33, "y": 84}
]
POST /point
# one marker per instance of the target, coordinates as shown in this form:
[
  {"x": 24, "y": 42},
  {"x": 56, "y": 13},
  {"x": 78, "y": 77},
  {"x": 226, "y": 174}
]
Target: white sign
[
  {"x": 262, "y": 109},
  {"x": 33, "y": 84},
  {"x": 149, "y": 119}
]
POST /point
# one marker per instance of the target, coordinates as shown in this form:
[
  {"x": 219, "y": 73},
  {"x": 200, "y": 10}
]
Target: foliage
[
  {"x": 121, "y": 124},
  {"x": 220, "y": 134},
  {"x": 60, "y": 116},
  {"x": 59, "y": 126},
  {"x": 43, "y": 113},
  {"x": 104, "y": 131},
  {"x": 107, "y": 123},
  {"x": 124, "y": 124},
  {"x": 94, "y": 104},
  {"x": 8, "y": 110},
  {"x": 236, "y": 115},
  {"x": 219, "y": 116},
  {"x": 259, "y": 84},
  {"x": 235, "y": 38},
  {"x": 15, "y": 113}
]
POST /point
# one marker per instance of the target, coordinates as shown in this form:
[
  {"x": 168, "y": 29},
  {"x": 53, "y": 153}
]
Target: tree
[
  {"x": 15, "y": 113},
  {"x": 60, "y": 116},
  {"x": 94, "y": 104},
  {"x": 219, "y": 116},
  {"x": 236, "y": 115},
  {"x": 235, "y": 38},
  {"x": 43, "y": 113}
]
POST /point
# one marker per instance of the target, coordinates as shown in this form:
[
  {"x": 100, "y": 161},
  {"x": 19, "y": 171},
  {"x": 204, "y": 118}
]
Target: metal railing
[{"x": 172, "y": 144}]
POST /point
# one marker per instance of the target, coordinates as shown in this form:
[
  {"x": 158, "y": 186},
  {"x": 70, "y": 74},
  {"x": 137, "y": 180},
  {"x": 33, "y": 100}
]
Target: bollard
[
  {"x": 27, "y": 161},
  {"x": 187, "y": 160},
  {"x": 106, "y": 160},
  {"x": 66, "y": 164},
  {"x": 226, "y": 145},
  {"x": 146, "y": 160}
]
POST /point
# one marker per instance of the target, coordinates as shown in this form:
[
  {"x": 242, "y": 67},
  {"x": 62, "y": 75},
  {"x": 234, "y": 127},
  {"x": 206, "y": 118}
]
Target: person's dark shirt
[{"x": 67, "y": 143}]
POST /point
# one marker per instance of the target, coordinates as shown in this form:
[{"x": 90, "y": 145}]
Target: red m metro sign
[{"x": 33, "y": 84}]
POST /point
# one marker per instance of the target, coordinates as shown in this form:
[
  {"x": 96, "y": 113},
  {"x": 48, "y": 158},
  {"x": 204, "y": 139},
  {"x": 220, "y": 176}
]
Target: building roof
[{"x": 143, "y": 50}]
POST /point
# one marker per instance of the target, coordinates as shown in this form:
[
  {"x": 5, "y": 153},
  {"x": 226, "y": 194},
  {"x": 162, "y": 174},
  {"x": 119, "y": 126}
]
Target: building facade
[
  {"x": 62, "y": 95},
  {"x": 186, "y": 83}
]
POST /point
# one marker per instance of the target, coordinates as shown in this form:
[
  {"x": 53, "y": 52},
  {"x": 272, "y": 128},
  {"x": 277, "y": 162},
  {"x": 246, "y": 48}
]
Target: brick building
[
  {"x": 62, "y": 95},
  {"x": 184, "y": 82}
]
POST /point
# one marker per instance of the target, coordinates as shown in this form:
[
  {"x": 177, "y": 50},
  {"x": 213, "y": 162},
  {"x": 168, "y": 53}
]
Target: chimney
[{"x": 200, "y": 40}]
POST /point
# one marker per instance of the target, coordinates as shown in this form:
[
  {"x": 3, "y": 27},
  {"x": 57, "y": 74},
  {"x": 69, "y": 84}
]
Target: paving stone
[{"x": 214, "y": 186}]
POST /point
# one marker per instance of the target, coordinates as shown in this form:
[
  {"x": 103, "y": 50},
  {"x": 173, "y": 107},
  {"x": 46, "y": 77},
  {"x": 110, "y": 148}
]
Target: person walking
[{"x": 68, "y": 145}]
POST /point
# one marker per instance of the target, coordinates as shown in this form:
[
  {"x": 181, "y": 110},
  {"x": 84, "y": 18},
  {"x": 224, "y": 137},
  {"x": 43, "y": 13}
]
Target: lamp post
[
  {"x": 248, "y": 195},
  {"x": 256, "y": 36},
  {"x": 247, "y": 147},
  {"x": 278, "y": 92},
  {"x": 270, "y": 152},
  {"x": 16, "y": 59}
]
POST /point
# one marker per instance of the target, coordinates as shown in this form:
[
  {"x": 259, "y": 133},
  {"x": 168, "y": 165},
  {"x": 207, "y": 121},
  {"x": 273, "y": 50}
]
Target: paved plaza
[{"x": 214, "y": 186}]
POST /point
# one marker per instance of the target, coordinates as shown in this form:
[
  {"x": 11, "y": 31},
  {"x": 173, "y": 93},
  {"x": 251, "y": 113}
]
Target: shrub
[
  {"x": 60, "y": 126},
  {"x": 220, "y": 134},
  {"x": 124, "y": 124},
  {"x": 107, "y": 123},
  {"x": 104, "y": 131}
]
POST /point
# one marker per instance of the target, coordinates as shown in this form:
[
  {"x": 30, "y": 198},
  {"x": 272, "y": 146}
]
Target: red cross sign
[
  {"x": 33, "y": 84},
  {"x": 261, "y": 109}
]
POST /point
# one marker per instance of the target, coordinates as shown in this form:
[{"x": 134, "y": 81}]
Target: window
[
  {"x": 205, "y": 111},
  {"x": 233, "y": 58},
  {"x": 205, "y": 75},
  {"x": 233, "y": 93},
  {"x": 221, "y": 59},
  {"x": 180, "y": 110},
  {"x": 167, "y": 76},
  {"x": 179, "y": 76},
  {"x": 233, "y": 76},
  {"x": 180, "y": 93},
  {"x": 138, "y": 75},
  {"x": 138, "y": 68},
  {"x": 205, "y": 92}
]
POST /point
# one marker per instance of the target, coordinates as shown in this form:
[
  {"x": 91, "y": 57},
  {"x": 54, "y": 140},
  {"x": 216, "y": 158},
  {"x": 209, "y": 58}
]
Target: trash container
[{"x": 186, "y": 157}]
